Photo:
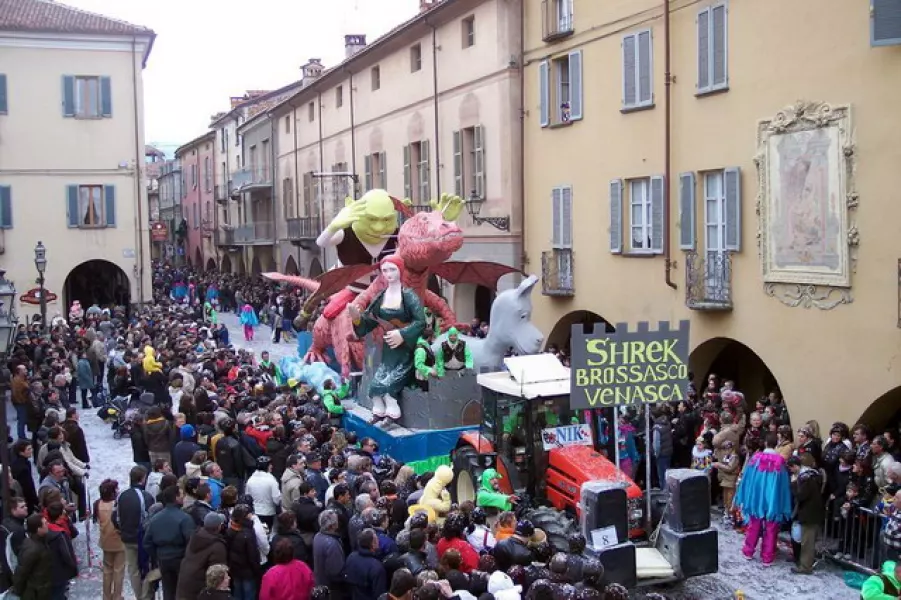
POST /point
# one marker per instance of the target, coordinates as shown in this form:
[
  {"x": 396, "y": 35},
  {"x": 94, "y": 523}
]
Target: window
[
  {"x": 4, "y": 105},
  {"x": 288, "y": 124},
  {"x": 469, "y": 32},
  {"x": 885, "y": 23},
  {"x": 638, "y": 88},
  {"x": 309, "y": 195},
  {"x": 253, "y": 158},
  {"x": 712, "y": 50},
  {"x": 417, "y": 172},
  {"x": 339, "y": 96},
  {"x": 566, "y": 96},
  {"x": 343, "y": 183},
  {"x": 207, "y": 174},
  {"x": 645, "y": 215},
  {"x": 311, "y": 109},
  {"x": 263, "y": 175},
  {"x": 561, "y": 217},
  {"x": 640, "y": 215},
  {"x": 223, "y": 140},
  {"x": 556, "y": 19},
  {"x": 564, "y": 14},
  {"x": 415, "y": 58},
  {"x": 722, "y": 210},
  {"x": 376, "y": 74},
  {"x": 469, "y": 162},
  {"x": 87, "y": 97},
  {"x": 193, "y": 176},
  {"x": 288, "y": 197},
  {"x": 90, "y": 206},
  {"x": 6, "y": 207},
  {"x": 196, "y": 216},
  {"x": 375, "y": 172}
]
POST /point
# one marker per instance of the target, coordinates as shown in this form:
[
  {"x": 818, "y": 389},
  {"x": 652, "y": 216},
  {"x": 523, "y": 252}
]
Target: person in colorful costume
[
  {"x": 397, "y": 307},
  {"x": 209, "y": 313},
  {"x": 76, "y": 313},
  {"x": 270, "y": 368},
  {"x": 454, "y": 355},
  {"x": 332, "y": 397},
  {"x": 489, "y": 496},
  {"x": 424, "y": 361},
  {"x": 249, "y": 321},
  {"x": 150, "y": 362},
  {"x": 764, "y": 497},
  {"x": 628, "y": 451},
  {"x": 212, "y": 294}
]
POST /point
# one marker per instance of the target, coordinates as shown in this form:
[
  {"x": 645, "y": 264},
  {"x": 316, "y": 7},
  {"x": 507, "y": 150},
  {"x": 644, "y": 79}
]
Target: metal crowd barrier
[{"x": 853, "y": 541}]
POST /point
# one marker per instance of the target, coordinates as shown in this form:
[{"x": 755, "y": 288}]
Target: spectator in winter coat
[
  {"x": 75, "y": 435},
  {"x": 291, "y": 480},
  {"x": 22, "y": 452},
  {"x": 289, "y": 579},
  {"x": 307, "y": 510},
  {"x": 110, "y": 541},
  {"x": 157, "y": 435},
  {"x": 166, "y": 538},
  {"x": 455, "y": 537},
  {"x": 243, "y": 554},
  {"x": 130, "y": 518},
  {"x": 218, "y": 584},
  {"x": 363, "y": 571},
  {"x": 314, "y": 476},
  {"x": 286, "y": 529},
  {"x": 184, "y": 449},
  {"x": 213, "y": 474},
  {"x": 85, "y": 378},
  {"x": 328, "y": 555},
  {"x": 160, "y": 468},
  {"x": 263, "y": 486},
  {"x": 206, "y": 548},
  {"x": 201, "y": 506},
  {"x": 46, "y": 562},
  {"x": 14, "y": 533},
  {"x": 810, "y": 509},
  {"x": 662, "y": 440}
]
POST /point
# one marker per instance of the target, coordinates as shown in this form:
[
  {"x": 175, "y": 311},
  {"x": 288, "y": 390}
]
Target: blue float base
[{"x": 406, "y": 446}]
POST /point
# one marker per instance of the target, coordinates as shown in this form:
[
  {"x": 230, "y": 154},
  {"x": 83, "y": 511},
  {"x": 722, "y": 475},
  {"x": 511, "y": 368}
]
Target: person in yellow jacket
[
  {"x": 885, "y": 585},
  {"x": 150, "y": 363}
]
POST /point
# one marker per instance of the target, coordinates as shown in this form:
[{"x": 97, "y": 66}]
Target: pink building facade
[{"x": 198, "y": 172}]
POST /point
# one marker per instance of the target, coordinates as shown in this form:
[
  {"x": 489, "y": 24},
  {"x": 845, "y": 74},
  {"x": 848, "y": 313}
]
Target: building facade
[
  {"x": 74, "y": 79},
  {"x": 169, "y": 240},
  {"x": 431, "y": 108},
  {"x": 680, "y": 165},
  {"x": 197, "y": 160}
]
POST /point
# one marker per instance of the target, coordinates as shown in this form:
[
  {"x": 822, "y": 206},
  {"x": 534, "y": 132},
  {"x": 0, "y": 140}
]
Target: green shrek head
[{"x": 379, "y": 218}]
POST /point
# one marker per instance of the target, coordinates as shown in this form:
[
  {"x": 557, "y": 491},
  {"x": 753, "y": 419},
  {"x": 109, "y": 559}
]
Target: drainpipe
[
  {"x": 139, "y": 220},
  {"x": 353, "y": 134},
  {"x": 272, "y": 159},
  {"x": 435, "y": 100},
  {"x": 321, "y": 170},
  {"x": 523, "y": 257},
  {"x": 667, "y": 167}
]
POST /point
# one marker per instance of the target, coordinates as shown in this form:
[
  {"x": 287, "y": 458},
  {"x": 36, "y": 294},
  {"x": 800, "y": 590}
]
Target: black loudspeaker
[
  {"x": 689, "y": 504},
  {"x": 619, "y": 563},
  {"x": 604, "y": 504},
  {"x": 690, "y": 554}
]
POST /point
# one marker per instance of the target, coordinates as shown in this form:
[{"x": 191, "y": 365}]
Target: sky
[{"x": 208, "y": 50}]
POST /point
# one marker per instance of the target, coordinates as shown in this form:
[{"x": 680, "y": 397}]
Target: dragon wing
[
  {"x": 336, "y": 280},
  {"x": 479, "y": 272},
  {"x": 311, "y": 285}
]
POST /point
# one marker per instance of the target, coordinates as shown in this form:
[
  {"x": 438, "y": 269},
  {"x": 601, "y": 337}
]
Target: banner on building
[
  {"x": 159, "y": 231},
  {"x": 624, "y": 368},
  {"x": 568, "y": 435}
]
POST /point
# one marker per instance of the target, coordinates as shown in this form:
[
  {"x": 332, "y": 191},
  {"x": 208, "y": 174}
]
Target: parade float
[{"x": 475, "y": 405}]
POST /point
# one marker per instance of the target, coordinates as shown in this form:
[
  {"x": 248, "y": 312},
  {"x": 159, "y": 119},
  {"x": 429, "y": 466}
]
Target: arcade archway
[
  {"x": 198, "y": 258},
  {"x": 562, "y": 332},
  {"x": 226, "y": 264},
  {"x": 255, "y": 267},
  {"x": 484, "y": 297},
  {"x": 240, "y": 269},
  {"x": 210, "y": 264},
  {"x": 291, "y": 267},
  {"x": 97, "y": 282},
  {"x": 315, "y": 268},
  {"x": 732, "y": 360},
  {"x": 884, "y": 412}
]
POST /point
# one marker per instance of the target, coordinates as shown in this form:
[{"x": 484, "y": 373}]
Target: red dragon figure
[{"x": 425, "y": 241}]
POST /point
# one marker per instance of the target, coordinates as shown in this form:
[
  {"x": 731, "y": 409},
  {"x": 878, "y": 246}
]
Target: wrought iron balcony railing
[
  {"x": 708, "y": 280},
  {"x": 557, "y": 273},
  {"x": 556, "y": 19},
  {"x": 250, "y": 178},
  {"x": 303, "y": 228},
  {"x": 260, "y": 232}
]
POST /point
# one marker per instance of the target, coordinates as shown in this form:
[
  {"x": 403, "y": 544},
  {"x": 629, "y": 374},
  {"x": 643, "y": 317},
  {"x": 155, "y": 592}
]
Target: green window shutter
[
  {"x": 109, "y": 196},
  {"x": 68, "y": 96},
  {"x": 575, "y": 85},
  {"x": 687, "y": 211},
  {"x": 544, "y": 93},
  {"x": 732, "y": 185},
  {"x": 4, "y": 106},
  {"x": 408, "y": 188},
  {"x": 458, "y": 164},
  {"x": 6, "y": 207},
  {"x": 616, "y": 216},
  {"x": 658, "y": 197},
  {"x": 106, "y": 97},
  {"x": 72, "y": 205}
]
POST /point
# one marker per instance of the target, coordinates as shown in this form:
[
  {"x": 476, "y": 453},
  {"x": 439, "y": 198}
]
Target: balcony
[
  {"x": 250, "y": 179},
  {"x": 303, "y": 231},
  {"x": 556, "y": 19},
  {"x": 224, "y": 237},
  {"x": 221, "y": 191},
  {"x": 250, "y": 234},
  {"x": 708, "y": 281},
  {"x": 557, "y": 273}
]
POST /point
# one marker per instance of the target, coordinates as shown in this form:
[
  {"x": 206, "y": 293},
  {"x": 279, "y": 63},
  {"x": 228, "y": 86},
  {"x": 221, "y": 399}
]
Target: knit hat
[
  {"x": 213, "y": 519},
  {"x": 187, "y": 432}
]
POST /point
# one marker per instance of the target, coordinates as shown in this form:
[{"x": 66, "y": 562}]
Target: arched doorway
[
  {"x": 97, "y": 282},
  {"x": 255, "y": 267},
  {"x": 291, "y": 267},
  {"x": 210, "y": 264},
  {"x": 732, "y": 360},
  {"x": 315, "y": 268},
  {"x": 240, "y": 269},
  {"x": 226, "y": 264},
  {"x": 198, "y": 258},
  {"x": 883, "y": 413},
  {"x": 484, "y": 297},
  {"x": 562, "y": 332}
]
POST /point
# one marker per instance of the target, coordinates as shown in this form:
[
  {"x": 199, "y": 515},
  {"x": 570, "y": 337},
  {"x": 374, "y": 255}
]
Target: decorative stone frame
[{"x": 823, "y": 291}]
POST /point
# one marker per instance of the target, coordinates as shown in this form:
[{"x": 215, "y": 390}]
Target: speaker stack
[
  {"x": 686, "y": 539},
  {"x": 604, "y": 505}
]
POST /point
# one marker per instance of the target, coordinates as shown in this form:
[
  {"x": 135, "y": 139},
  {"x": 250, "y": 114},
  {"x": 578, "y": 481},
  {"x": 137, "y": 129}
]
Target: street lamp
[
  {"x": 8, "y": 325},
  {"x": 474, "y": 207},
  {"x": 40, "y": 262}
]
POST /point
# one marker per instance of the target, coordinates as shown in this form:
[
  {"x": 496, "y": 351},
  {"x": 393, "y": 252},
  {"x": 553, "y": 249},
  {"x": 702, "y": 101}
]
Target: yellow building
[{"x": 781, "y": 242}]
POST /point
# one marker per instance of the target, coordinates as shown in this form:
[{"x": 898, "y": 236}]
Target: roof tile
[{"x": 47, "y": 15}]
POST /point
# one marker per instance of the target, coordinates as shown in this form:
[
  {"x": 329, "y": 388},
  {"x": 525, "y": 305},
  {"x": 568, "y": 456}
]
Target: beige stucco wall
[
  {"x": 41, "y": 152},
  {"x": 830, "y": 364}
]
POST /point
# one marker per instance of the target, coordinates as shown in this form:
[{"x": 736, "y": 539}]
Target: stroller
[{"x": 121, "y": 411}]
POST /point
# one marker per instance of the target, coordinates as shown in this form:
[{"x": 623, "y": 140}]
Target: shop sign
[
  {"x": 624, "y": 368},
  {"x": 159, "y": 231},
  {"x": 33, "y": 296},
  {"x": 568, "y": 435}
]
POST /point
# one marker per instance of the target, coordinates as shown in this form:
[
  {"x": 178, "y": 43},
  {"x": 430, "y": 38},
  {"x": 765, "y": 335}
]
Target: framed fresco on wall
[{"x": 806, "y": 235}]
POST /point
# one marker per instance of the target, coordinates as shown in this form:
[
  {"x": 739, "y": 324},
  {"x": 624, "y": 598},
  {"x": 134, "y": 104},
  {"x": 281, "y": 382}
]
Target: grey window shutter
[
  {"x": 4, "y": 103},
  {"x": 629, "y": 76},
  {"x": 458, "y": 165},
  {"x": 479, "y": 142},
  {"x": 544, "y": 93},
  {"x": 645, "y": 72},
  {"x": 367, "y": 172},
  {"x": 383, "y": 170},
  {"x": 704, "y": 49},
  {"x": 68, "y": 96},
  {"x": 616, "y": 216},
  {"x": 885, "y": 22},
  {"x": 687, "y": 211},
  {"x": 658, "y": 197},
  {"x": 72, "y": 205},
  {"x": 556, "y": 217},
  {"x": 719, "y": 75},
  {"x": 6, "y": 207},
  {"x": 566, "y": 217},
  {"x": 427, "y": 157},
  {"x": 575, "y": 85},
  {"x": 408, "y": 190},
  {"x": 109, "y": 197},
  {"x": 732, "y": 183},
  {"x": 106, "y": 97}
]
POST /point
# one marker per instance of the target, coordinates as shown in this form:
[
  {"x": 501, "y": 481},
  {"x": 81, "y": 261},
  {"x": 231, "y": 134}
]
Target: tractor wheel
[
  {"x": 555, "y": 524},
  {"x": 467, "y": 473}
]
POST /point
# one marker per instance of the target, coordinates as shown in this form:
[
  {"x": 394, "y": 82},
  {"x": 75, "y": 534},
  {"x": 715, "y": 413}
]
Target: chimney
[
  {"x": 311, "y": 71},
  {"x": 353, "y": 44},
  {"x": 425, "y": 5}
]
